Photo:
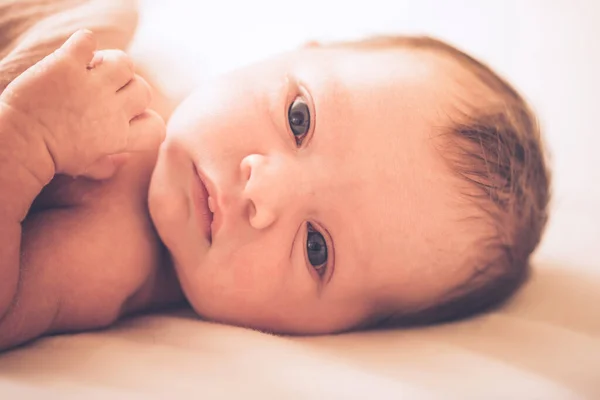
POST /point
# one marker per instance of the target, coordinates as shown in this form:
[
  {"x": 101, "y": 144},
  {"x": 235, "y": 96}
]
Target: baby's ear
[{"x": 313, "y": 44}]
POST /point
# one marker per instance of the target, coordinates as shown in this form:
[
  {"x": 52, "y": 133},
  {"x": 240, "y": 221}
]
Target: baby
[{"x": 385, "y": 182}]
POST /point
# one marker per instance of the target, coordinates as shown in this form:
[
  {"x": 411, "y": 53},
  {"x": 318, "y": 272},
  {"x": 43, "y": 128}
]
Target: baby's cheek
[
  {"x": 251, "y": 281},
  {"x": 224, "y": 273},
  {"x": 248, "y": 276}
]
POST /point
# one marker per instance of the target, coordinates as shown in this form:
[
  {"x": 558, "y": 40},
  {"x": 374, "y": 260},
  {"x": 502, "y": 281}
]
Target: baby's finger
[
  {"x": 146, "y": 132},
  {"x": 80, "y": 45},
  {"x": 114, "y": 66},
  {"x": 135, "y": 96}
]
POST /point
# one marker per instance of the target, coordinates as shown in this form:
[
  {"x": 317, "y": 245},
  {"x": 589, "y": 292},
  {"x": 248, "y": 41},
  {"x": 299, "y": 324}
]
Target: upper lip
[{"x": 212, "y": 194}]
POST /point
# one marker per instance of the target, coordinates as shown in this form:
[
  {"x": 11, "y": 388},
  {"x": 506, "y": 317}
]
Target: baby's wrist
[{"x": 23, "y": 146}]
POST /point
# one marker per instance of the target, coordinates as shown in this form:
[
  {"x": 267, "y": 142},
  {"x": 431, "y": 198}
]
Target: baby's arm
[
  {"x": 59, "y": 117},
  {"x": 25, "y": 167}
]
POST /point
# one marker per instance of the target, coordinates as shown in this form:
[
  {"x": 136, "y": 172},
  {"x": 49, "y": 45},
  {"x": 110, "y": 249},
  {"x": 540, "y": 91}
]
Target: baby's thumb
[{"x": 146, "y": 132}]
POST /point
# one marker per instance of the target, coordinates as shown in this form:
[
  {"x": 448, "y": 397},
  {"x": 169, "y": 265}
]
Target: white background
[{"x": 548, "y": 49}]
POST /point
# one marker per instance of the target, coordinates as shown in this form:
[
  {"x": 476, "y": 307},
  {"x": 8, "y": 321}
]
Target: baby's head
[{"x": 389, "y": 181}]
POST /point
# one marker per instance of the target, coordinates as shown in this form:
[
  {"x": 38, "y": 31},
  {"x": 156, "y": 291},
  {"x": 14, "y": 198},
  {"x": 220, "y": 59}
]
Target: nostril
[
  {"x": 262, "y": 218},
  {"x": 245, "y": 169},
  {"x": 251, "y": 210}
]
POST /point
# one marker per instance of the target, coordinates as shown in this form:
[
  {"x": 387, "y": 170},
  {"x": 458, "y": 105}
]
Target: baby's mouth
[{"x": 204, "y": 206}]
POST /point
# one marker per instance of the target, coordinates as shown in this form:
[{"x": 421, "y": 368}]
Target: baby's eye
[
  {"x": 316, "y": 249},
  {"x": 299, "y": 119}
]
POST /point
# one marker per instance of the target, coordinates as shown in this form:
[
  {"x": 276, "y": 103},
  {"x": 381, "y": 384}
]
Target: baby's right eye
[{"x": 299, "y": 119}]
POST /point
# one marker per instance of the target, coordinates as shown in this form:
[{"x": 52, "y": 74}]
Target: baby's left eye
[
  {"x": 316, "y": 249},
  {"x": 299, "y": 119}
]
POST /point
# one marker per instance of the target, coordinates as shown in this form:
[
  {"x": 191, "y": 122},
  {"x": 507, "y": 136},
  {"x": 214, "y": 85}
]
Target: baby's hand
[{"x": 87, "y": 106}]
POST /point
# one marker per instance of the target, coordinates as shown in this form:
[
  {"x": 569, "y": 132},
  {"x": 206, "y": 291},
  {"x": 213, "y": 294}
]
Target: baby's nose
[{"x": 268, "y": 188}]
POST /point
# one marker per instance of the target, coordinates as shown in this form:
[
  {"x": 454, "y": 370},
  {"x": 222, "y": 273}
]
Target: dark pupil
[
  {"x": 316, "y": 248},
  {"x": 299, "y": 117}
]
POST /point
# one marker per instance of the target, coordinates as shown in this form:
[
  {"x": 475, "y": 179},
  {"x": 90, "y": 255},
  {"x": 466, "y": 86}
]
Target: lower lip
[{"x": 200, "y": 199}]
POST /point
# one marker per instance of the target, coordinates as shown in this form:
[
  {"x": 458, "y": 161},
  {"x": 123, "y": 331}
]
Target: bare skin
[{"x": 77, "y": 253}]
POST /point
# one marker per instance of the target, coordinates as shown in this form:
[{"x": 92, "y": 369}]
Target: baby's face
[{"x": 330, "y": 199}]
